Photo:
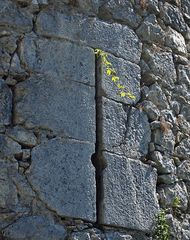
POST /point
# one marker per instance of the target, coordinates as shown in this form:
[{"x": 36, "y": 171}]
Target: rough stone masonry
[{"x": 77, "y": 161}]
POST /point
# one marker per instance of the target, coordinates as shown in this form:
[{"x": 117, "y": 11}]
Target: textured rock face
[
  {"x": 62, "y": 174},
  {"x": 130, "y": 199}
]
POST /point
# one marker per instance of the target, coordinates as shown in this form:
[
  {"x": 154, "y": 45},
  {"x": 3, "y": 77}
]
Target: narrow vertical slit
[{"x": 97, "y": 158}]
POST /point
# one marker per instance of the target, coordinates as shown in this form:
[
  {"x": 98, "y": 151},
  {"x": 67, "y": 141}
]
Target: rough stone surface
[
  {"x": 150, "y": 31},
  {"x": 8, "y": 191},
  {"x": 64, "y": 60},
  {"x": 161, "y": 66},
  {"x": 130, "y": 199},
  {"x": 125, "y": 131},
  {"x": 35, "y": 228},
  {"x": 129, "y": 75},
  {"x": 5, "y": 103},
  {"x": 14, "y": 17},
  {"x": 122, "y": 11},
  {"x": 183, "y": 150},
  {"x": 173, "y": 17},
  {"x": 8, "y": 147},
  {"x": 67, "y": 113},
  {"x": 183, "y": 170},
  {"x": 124, "y": 41},
  {"x": 176, "y": 41},
  {"x": 20, "y": 135},
  {"x": 64, "y": 177}
]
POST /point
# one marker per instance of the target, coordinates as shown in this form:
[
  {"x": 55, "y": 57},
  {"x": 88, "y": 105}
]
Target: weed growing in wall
[
  {"x": 162, "y": 229},
  {"x": 111, "y": 72}
]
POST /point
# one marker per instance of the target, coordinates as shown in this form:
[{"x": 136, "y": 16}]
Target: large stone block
[
  {"x": 5, "y": 103},
  {"x": 162, "y": 66},
  {"x": 129, "y": 193},
  {"x": 14, "y": 17},
  {"x": 115, "y": 38},
  {"x": 125, "y": 131},
  {"x": 62, "y": 59},
  {"x": 130, "y": 76},
  {"x": 33, "y": 228},
  {"x": 64, "y": 177},
  {"x": 66, "y": 107},
  {"x": 8, "y": 191}
]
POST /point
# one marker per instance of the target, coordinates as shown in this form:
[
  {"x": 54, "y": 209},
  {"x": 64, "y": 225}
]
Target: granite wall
[{"x": 79, "y": 162}]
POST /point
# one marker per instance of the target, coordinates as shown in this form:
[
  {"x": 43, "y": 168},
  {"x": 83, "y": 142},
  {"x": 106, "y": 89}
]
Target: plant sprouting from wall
[
  {"x": 111, "y": 72},
  {"x": 162, "y": 228}
]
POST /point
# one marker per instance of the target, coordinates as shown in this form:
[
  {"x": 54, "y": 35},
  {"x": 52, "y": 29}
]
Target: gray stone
[
  {"x": 129, "y": 75},
  {"x": 175, "y": 41},
  {"x": 66, "y": 107},
  {"x": 5, "y": 103},
  {"x": 80, "y": 236},
  {"x": 183, "y": 125},
  {"x": 151, "y": 110},
  {"x": 129, "y": 193},
  {"x": 157, "y": 97},
  {"x": 64, "y": 178},
  {"x": 164, "y": 163},
  {"x": 118, "y": 236},
  {"x": 65, "y": 60},
  {"x": 122, "y": 11},
  {"x": 164, "y": 140},
  {"x": 183, "y": 170},
  {"x": 150, "y": 31},
  {"x": 125, "y": 132},
  {"x": 168, "y": 193},
  {"x": 185, "y": 110},
  {"x": 186, "y": 7},
  {"x": 167, "y": 179},
  {"x": 89, "y": 31},
  {"x": 183, "y": 74},
  {"x": 35, "y": 228},
  {"x": 8, "y": 147},
  {"x": 14, "y": 17},
  {"x": 172, "y": 16},
  {"x": 23, "y": 3},
  {"x": 8, "y": 191},
  {"x": 22, "y": 136},
  {"x": 183, "y": 149},
  {"x": 162, "y": 66}
]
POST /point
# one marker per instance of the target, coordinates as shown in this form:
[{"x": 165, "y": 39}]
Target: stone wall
[{"x": 79, "y": 162}]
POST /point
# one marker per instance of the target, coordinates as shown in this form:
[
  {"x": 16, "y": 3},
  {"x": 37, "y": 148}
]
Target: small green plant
[
  {"x": 176, "y": 202},
  {"x": 111, "y": 72},
  {"x": 162, "y": 229}
]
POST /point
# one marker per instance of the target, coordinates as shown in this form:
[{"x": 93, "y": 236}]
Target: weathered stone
[
  {"x": 65, "y": 60},
  {"x": 64, "y": 177},
  {"x": 8, "y": 147},
  {"x": 164, "y": 140},
  {"x": 122, "y": 11},
  {"x": 33, "y": 228},
  {"x": 14, "y": 17},
  {"x": 183, "y": 170},
  {"x": 164, "y": 163},
  {"x": 80, "y": 236},
  {"x": 167, "y": 195},
  {"x": 54, "y": 105},
  {"x": 129, "y": 75},
  {"x": 183, "y": 149},
  {"x": 185, "y": 110},
  {"x": 22, "y": 136},
  {"x": 125, "y": 132},
  {"x": 124, "y": 41},
  {"x": 175, "y": 41},
  {"x": 186, "y": 7},
  {"x": 5, "y": 103},
  {"x": 151, "y": 110},
  {"x": 8, "y": 192},
  {"x": 150, "y": 31},
  {"x": 173, "y": 17},
  {"x": 118, "y": 236},
  {"x": 129, "y": 193},
  {"x": 183, "y": 125},
  {"x": 162, "y": 66},
  {"x": 157, "y": 97},
  {"x": 167, "y": 179},
  {"x": 183, "y": 74},
  {"x": 23, "y": 3}
]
